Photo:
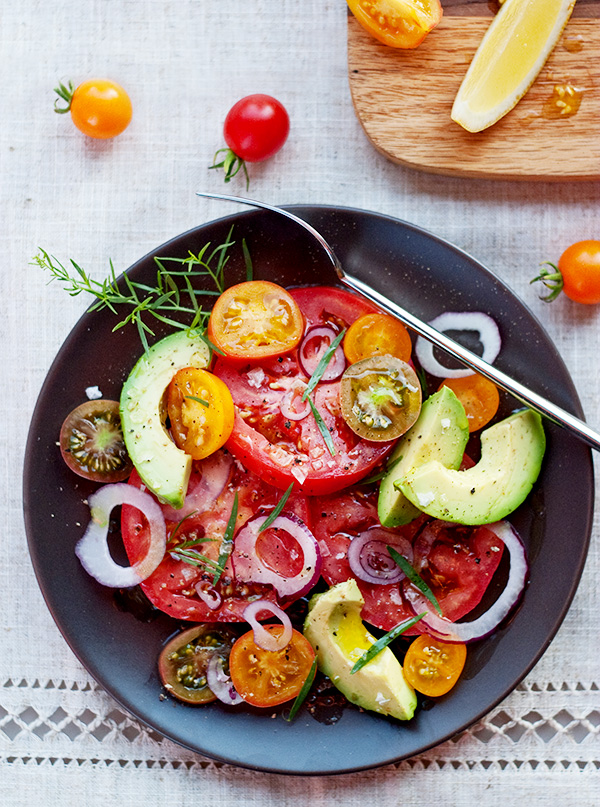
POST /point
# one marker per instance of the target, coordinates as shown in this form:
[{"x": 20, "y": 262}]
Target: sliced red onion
[
  {"x": 293, "y": 397},
  {"x": 220, "y": 683},
  {"x": 92, "y": 549},
  {"x": 250, "y": 569},
  {"x": 486, "y": 327},
  {"x": 204, "y": 490},
  {"x": 316, "y": 341},
  {"x": 370, "y": 560},
  {"x": 209, "y": 595},
  {"x": 262, "y": 637},
  {"x": 442, "y": 628}
]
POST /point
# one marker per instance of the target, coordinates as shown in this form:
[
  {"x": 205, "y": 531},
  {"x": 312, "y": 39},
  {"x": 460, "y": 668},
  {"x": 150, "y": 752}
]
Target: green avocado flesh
[
  {"x": 339, "y": 638},
  {"x": 511, "y": 458},
  {"x": 164, "y": 468},
  {"x": 440, "y": 433}
]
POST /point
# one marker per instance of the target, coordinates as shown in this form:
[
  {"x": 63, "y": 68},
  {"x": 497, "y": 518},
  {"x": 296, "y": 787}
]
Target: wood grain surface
[{"x": 403, "y": 101}]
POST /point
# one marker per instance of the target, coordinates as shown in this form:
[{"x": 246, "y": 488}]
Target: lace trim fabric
[{"x": 66, "y": 723}]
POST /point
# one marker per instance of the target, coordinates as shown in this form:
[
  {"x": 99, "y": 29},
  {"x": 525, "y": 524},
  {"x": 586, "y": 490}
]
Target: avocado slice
[
  {"x": 164, "y": 468},
  {"x": 440, "y": 433},
  {"x": 511, "y": 458},
  {"x": 335, "y": 630}
]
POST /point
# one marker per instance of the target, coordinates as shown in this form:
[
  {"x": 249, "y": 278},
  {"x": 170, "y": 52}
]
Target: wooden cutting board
[{"x": 403, "y": 100}]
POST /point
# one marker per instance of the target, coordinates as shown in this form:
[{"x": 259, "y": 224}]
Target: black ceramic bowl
[{"x": 428, "y": 276}]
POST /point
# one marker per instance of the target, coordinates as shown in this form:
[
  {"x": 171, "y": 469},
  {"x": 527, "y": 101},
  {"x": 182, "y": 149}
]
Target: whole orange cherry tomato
[
  {"x": 478, "y": 395},
  {"x": 377, "y": 335},
  {"x": 432, "y": 667},
  {"x": 269, "y": 677},
  {"x": 577, "y": 273},
  {"x": 255, "y": 320},
  {"x": 397, "y": 23},
  {"x": 99, "y": 107},
  {"x": 201, "y": 412}
]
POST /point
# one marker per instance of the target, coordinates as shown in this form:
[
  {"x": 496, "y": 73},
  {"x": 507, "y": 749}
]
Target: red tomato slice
[
  {"x": 283, "y": 451},
  {"x": 459, "y": 565},
  {"x": 171, "y": 588}
]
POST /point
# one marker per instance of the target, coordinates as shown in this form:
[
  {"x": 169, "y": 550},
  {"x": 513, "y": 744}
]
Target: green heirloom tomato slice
[
  {"x": 380, "y": 397},
  {"x": 183, "y": 661}
]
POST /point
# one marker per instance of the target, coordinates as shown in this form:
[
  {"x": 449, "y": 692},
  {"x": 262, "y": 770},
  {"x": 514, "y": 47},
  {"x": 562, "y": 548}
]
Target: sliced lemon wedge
[{"x": 511, "y": 54}]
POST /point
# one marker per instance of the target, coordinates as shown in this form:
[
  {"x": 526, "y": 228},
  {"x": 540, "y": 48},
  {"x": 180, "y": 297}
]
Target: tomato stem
[
  {"x": 231, "y": 164},
  {"x": 65, "y": 93},
  {"x": 552, "y": 280}
]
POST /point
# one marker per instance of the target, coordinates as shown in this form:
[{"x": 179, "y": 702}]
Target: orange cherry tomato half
[
  {"x": 269, "y": 677},
  {"x": 478, "y": 395},
  {"x": 201, "y": 411},
  {"x": 433, "y": 667},
  {"x": 99, "y": 107},
  {"x": 397, "y": 23},
  {"x": 377, "y": 335},
  {"x": 255, "y": 320}
]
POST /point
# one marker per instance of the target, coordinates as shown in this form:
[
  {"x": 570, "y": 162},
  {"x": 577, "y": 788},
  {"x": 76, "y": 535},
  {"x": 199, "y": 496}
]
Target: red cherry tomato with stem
[{"x": 256, "y": 127}]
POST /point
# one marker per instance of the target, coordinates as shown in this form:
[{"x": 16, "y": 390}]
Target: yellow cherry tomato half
[
  {"x": 255, "y": 320},
  {"x": 433, "y": 667},
  {"x": 478, "y": 395},
  {"x": 99, "y": 108},
  {"x": 267, "y": 678},
  {"x": 377, "y": 335},
  {"x": 397, "y": 23},
  {"x": 201, "y": 412}
]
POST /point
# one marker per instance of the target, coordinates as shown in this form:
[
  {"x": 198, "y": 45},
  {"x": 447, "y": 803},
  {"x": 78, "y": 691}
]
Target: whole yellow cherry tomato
[{"x": 99, "y": 107}]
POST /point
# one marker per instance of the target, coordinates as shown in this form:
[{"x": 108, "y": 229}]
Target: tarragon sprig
[{"x": 172, "y": 295}]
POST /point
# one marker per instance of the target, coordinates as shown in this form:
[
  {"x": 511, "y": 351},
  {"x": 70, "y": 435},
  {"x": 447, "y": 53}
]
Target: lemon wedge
[{"x": 511, "y": 54}]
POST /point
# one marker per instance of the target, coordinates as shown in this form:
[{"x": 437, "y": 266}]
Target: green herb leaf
[
  {"x": 277, "y": 510},
  {"x": 322, "y": 365},
  {"x": 180, "y": 523},
  {"x": 198, "y": 400},
  {"x": 322, "y": 428},
  {"x": 380, "y": 475},
  {"x": 301, "y": 696},
  {"x": 414, "y": 578},
  {"x": 382, "y": 643},
  {"x": 227, "y": 542}
]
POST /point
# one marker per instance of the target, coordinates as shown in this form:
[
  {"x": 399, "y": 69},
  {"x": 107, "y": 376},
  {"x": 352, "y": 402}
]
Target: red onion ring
[
  {"x": 206, "y": 489},
  {"x": 249, "y": 568},
  {"x": 442, "y": 628},
  {"x": 209, "y": 595},
  {"x": 220, "y": 683},
  {"x": 485, "y": 326},
  {"x": 262, "y": 637},
  {"x": 309, "y": 360},
  {"x": 286, "y": 404},
  {"x": 92, "y": 549},
  {"x": 370, "y": 560}
]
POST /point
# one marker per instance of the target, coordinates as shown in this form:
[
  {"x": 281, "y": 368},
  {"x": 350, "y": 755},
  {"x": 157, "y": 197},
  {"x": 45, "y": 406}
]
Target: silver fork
[{"x": 555, "y": 413}]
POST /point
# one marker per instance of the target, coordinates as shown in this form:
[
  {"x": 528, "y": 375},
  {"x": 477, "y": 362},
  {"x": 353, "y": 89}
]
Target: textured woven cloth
[{"x": 62, "y": 738}]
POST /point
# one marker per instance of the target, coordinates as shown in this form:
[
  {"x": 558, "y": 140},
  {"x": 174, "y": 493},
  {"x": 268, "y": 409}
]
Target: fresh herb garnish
[
  {"x": 174, "y": 293},
  {"x": 385, "y": 640},
  {"x": 189, "y": 555},
  {"x": 301, "y": 696},
  {"x": 322, "y": 427},
  {"x": 198, "y": 400},
  {"x": 179, "y": 524},
  {"x": 227, "y": 542},
  {"x": 322, "y": 365},
  {"x": 414, "y": 578},
  {"x": 277, "y": 509},
  {"x": 247, "y": 261}
]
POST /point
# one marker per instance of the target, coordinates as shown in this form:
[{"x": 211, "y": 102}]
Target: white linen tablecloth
[{"x": 63, "y": 740}]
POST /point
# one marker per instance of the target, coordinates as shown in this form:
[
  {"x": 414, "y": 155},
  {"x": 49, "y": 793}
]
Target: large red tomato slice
[
  {"x": 282, "y": 450},
  {"x": 172, "y": 586},
  {"x": 456, "y": 562}
]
